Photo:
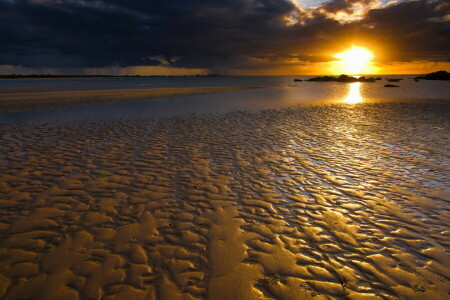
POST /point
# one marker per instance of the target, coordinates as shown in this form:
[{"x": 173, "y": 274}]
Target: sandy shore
[
  {"x": 336, "y": 202},
  {"x": 21, "y": 101}
]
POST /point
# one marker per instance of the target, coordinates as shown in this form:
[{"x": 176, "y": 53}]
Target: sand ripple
[{"x": 334, "y": 202}]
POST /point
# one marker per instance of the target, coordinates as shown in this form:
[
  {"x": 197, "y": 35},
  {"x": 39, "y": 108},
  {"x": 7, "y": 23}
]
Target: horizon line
[{"x": 54, "y": 76}]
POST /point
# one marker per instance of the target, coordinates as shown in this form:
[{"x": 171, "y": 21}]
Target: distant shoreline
[
  {"x": 43, "y": 76},
  {"x": 48, "y": 76}
]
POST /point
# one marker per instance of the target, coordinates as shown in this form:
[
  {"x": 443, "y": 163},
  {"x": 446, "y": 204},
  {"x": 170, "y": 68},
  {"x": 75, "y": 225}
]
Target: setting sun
[{"x": 356, "y": 60}]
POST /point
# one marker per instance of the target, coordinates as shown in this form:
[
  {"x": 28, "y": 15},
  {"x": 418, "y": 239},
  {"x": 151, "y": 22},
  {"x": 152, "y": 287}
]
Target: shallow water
[
  {"x": 270, "y": 93},
  {"x": 433, "y": 89},
  {"x": 321, "y": 202}
]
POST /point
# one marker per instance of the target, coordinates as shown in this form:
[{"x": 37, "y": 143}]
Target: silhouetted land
[
  {"x": 439, "y": 75},
  {"x": 342, "y": 78},
  {"x": 37, "y": 76}
]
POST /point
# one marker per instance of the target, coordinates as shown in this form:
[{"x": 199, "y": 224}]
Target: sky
[{"x": 230, "y": 37}]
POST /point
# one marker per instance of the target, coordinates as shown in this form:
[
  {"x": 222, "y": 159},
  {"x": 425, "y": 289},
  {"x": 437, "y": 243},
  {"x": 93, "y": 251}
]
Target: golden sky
[{"x": 246, "y": 37}]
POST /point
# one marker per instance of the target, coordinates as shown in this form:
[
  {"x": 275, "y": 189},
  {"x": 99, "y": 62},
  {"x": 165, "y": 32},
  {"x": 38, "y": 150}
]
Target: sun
[{"x": 356, "y": 60}]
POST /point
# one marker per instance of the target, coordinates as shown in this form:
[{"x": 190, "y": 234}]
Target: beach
[
  {"x": 225, "y": 150},
  {"x": 20, "y": 99},
  {"x": 319, "y": 202}
]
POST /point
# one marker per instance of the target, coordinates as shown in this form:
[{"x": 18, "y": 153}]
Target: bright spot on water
[{"x": 354, "y": 94}]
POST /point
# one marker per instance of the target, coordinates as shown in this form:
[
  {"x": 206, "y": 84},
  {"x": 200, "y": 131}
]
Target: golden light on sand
[
  {"x": 356, "y": 60},
  {"x": 354, "y": 94}
]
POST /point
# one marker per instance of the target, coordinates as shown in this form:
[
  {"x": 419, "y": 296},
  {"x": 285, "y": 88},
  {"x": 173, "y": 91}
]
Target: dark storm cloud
[
  {"x": 414, "y": 29},
  {"x": 213, "y": 34}
]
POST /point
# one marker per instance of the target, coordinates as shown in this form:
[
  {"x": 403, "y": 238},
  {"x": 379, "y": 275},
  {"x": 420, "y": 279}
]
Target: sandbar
[{"x": 22, "y": 101}]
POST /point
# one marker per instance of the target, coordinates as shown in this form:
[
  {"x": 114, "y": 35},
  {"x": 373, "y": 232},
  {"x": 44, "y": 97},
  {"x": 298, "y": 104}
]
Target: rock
[
  {"x": 346, "y": 78},
  {"x": 364, "y": 79},
  {"x": 394, "y": 80},
  {"x": 342, "y": 78},
  {"x": 439, "y": 75},
  {"x": 391, "y": 85},
  {"x": 324, "y": 78},
  {"x": 297, "y": 79}
]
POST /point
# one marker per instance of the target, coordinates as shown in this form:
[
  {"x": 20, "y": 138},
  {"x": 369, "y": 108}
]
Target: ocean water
[{"x": 270, "y": 92}]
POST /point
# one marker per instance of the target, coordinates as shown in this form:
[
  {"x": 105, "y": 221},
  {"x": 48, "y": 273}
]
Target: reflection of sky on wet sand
[
  {"x": 194, "y": 205},
  {"x": 354, "y": 94},
  {"x": 273, "y": 93}
]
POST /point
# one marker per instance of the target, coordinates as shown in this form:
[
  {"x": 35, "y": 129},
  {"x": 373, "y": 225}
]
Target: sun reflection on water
[{"x": 354, "y": 94}]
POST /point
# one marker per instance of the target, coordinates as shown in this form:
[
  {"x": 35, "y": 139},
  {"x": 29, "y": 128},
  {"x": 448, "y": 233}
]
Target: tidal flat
[
  {"x": 319, "y": 202},
  {"x": 15, "y": 99}
]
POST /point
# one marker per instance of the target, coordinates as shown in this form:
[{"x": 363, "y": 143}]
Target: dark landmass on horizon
[
  {"x": 342, "y": 78},
  {"x": 439, "y": 75},
  {"x": 50, "y": 76}
]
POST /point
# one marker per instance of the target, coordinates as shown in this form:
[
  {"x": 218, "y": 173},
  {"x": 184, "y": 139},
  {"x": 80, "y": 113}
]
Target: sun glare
[
  {"x": 354, "y": 94},
  {"x": 356, "y": 60}
]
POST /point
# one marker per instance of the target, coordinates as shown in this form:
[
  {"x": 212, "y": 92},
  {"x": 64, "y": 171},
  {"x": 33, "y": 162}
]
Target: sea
[{"x": 267, "y": 92}]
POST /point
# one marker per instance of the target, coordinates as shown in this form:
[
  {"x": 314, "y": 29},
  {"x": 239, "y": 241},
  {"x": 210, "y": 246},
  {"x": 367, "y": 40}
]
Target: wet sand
[
  {"x": 324, "y": 202},
  {"x": 23, "y": 101}
]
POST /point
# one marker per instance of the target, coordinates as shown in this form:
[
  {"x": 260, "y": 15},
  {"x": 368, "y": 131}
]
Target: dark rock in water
[
  {"x": 439, "y": 75},
  {"x": 342, "y": 78},
  {"x": 297, "y": 79},
  {"x": 323, "y": 78},
  {"x": 394, "y": 80},
  {"x": 378, "y": 78},
  {"x": 391, "y": 85},
  {"x": 364, "y": 79},
  {"x": 346, "y": 78}
]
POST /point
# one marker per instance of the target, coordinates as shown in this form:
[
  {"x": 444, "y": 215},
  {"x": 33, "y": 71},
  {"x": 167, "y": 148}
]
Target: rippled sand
[
  {"x": 338, "y": 202},
  {"x": 23, "y": 100}
]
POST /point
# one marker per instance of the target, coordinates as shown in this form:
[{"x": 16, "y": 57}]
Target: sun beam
[{"x": 356, "y": 60}]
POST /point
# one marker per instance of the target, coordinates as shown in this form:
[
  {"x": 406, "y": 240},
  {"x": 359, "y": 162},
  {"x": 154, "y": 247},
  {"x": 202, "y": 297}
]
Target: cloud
[
  {"x": 346, "y": 11},
  {"x": 219, "y": 35},
  {"x": 414, "y": 30}
]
